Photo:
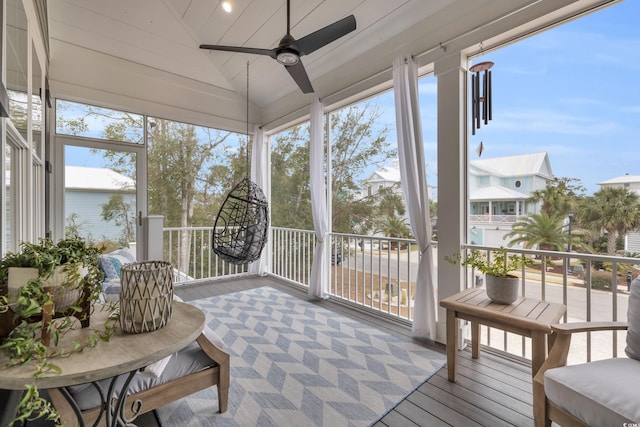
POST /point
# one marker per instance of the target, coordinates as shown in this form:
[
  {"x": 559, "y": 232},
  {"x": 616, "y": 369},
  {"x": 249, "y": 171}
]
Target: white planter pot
[
  {"x": 502, "y": 290},
  {"x": 65, "y": 293}
]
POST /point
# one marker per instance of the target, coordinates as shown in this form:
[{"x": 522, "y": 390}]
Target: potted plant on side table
[
  {"x": 498, "y": 266},
  {"x": 46, "y": 290}
]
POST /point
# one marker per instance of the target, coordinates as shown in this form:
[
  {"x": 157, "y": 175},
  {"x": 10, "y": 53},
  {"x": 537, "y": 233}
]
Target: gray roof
[
  {"x": 103, "y": 179},
  {"x": 624, "y": 179},
  {"x": 519, "y": 165}
]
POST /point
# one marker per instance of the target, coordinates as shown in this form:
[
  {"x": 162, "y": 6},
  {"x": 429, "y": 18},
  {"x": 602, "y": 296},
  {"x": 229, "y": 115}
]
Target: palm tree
[
  {"x": 395, "y": 227},
  {"x": 616, "y": 210},
  {"x": 547, "y": 232}
]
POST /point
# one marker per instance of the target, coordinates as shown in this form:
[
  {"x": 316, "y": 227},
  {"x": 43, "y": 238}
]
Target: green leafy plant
[
  {"x": 24, "y": 344},
  {"x": 499, "y": 263}
]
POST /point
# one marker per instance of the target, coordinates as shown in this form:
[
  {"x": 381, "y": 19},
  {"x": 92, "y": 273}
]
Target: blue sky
[{"x": 573, "y": 92}]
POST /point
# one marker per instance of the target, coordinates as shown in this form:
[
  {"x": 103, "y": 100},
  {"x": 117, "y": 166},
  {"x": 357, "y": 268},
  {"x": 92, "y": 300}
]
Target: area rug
[{"x": 294, "y": 363}]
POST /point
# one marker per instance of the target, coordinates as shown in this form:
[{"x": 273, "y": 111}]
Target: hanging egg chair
[{"x": 240, "y": 230}]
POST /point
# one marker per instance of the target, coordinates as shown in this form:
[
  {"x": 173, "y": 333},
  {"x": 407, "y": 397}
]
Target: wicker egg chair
[{"x": 240, "y": 231}]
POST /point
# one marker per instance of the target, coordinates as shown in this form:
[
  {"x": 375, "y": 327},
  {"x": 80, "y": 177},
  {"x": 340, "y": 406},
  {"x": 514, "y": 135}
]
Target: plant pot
[
  {"x": 66, "y": 290},
  {"x": 502, "y": 290}
]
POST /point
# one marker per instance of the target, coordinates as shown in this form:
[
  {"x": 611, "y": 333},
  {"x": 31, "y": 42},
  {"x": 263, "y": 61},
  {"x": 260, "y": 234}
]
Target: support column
[{"x": 452, "y": 168}]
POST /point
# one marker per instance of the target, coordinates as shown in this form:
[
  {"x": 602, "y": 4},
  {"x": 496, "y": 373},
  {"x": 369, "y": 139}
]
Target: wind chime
[
  {"x": 240, "y": 230},
  {"x": 481, "y": 102}
]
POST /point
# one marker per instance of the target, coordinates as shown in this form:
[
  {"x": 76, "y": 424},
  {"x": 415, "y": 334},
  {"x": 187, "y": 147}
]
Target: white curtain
[
  {"x": 318, "y": 286},
  {"x": 259, "y": 177},
  {"x": 414, "y": 186}
]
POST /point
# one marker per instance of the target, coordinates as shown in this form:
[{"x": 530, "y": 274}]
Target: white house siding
[
  {"x": 88, "y": 207},
  {"x": 87, "y": 190},
  {"x": 632, "y": 242}
]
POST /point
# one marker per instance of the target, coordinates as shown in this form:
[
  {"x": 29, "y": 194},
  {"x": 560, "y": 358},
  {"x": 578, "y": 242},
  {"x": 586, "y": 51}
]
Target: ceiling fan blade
[
  {"x": 240, "y": 49},
  {"x": 324, "y": 36},
  {"x": 299, "y": 74}
]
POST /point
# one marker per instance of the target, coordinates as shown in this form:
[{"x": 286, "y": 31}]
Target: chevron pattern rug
[{"x": 294, "y": 363}]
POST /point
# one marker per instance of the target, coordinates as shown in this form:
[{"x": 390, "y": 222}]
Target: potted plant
[
  {"x": 64, "y": 281},
  {"x": 501, "y": 284}
]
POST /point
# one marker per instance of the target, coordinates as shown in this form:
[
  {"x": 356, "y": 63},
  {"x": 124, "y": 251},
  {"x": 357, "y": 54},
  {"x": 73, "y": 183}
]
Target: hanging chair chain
[{"x": 247, "y": 148}]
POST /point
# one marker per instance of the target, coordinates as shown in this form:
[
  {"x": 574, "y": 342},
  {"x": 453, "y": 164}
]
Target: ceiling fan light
[
  {"x": 287, "y": 57},
  {"x": 227, "y": 6}
]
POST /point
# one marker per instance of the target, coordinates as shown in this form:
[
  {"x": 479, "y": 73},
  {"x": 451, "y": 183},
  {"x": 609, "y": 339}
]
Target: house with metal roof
[
  {"x": 499, "y": 193},
  {"x": 87, "y": 190}
]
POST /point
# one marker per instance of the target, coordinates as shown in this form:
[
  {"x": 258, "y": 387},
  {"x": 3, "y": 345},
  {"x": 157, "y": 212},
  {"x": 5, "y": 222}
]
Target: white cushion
[
  {"x": 600, "y": 393},
  {"x": 633, "y": 320},
  {"x": 188, "y": 360}
]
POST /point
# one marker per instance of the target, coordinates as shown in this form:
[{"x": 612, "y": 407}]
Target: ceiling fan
[{"x": 289, "y": 50}]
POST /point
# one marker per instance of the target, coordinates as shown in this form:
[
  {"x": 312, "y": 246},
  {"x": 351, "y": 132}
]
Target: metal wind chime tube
[
  {"x": 483, "y": 101},
  {"x": 240, "y": 229}
]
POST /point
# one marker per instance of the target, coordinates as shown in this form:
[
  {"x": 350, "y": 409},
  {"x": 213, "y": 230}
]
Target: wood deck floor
[{"x": 490, "y": 391}]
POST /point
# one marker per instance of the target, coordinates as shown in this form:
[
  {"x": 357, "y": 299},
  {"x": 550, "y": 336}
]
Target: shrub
[{"x": 601, "y": 280}]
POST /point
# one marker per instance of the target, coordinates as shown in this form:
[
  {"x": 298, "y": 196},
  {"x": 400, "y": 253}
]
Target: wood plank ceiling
[{"x": 156, "y": 42}]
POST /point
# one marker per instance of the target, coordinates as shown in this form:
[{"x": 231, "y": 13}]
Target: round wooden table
[{"x": 123, "y": 353}]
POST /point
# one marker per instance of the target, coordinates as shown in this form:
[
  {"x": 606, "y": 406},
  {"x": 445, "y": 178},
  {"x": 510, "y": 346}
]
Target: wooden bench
[{"x": 161, "y": 391}]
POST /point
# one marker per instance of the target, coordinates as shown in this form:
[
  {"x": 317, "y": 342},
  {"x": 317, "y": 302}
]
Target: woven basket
[{"x": 146, "y": 296}]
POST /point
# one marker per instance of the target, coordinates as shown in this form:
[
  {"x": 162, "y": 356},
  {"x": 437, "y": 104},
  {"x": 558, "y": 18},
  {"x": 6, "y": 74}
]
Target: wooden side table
[{"x": 528, "y": 317}]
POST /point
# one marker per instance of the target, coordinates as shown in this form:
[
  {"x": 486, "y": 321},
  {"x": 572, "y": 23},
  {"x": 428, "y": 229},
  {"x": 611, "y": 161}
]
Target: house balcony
[{"x": 494, "y": 219}]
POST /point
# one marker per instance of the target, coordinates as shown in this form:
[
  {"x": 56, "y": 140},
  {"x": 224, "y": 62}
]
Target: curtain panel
[
  {"x": 414, "y": 188},
  {"x": 259, "y": 177},
  {"x": 318, "y": 285}
]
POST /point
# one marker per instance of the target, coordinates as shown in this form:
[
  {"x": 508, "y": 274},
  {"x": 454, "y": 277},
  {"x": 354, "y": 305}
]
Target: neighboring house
[
  {"x": 630, "y": 182},
  {"x": 87, "y": 190},
  {"x": 385, "y": 177},
  {"x": 388, "y": 177},
  {"x": 499, "y": 189}
]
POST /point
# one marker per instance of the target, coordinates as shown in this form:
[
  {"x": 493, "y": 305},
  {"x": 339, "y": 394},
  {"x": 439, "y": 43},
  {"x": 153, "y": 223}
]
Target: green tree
[
  {"x": 123, "y": 214},
  {"x": 394, "y": 226},
  {"x": 559, "y": 196},
  {"x": 615, "y": 211},
  {"x": 290, "y": 191},
  {"x": 546, "y": 232},
  {"x": 357, "y": 144}
]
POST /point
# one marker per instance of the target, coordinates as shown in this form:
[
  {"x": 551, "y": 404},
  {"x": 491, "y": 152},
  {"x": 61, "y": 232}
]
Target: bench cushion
[
  {"x": 189, "y": 360},
  {"x": 600, "y": 393}
]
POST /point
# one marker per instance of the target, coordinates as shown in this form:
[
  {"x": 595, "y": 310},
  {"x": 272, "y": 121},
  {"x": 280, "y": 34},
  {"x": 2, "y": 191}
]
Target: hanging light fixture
[{"x": 481, "y": 102}]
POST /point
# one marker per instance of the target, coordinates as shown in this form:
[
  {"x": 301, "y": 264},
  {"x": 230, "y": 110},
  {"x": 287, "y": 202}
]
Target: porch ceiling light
[
  {"x": 480, "y": 100},
  {"x": 227, "y": 6}
]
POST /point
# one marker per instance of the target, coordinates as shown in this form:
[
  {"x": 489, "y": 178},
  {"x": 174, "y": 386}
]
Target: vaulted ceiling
[{"x": 144, "y": 54}]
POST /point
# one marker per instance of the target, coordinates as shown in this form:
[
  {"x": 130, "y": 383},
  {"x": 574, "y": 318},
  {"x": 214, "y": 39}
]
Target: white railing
[
  {"x": 189, "y": 250},
  {"x": 493, "y": 218},
  {"x": 377, "y": 274},
  {"x": 371, "y": 273},
  {"x": 593, "y": 287},
  {"x": 292, "y": 253}
]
